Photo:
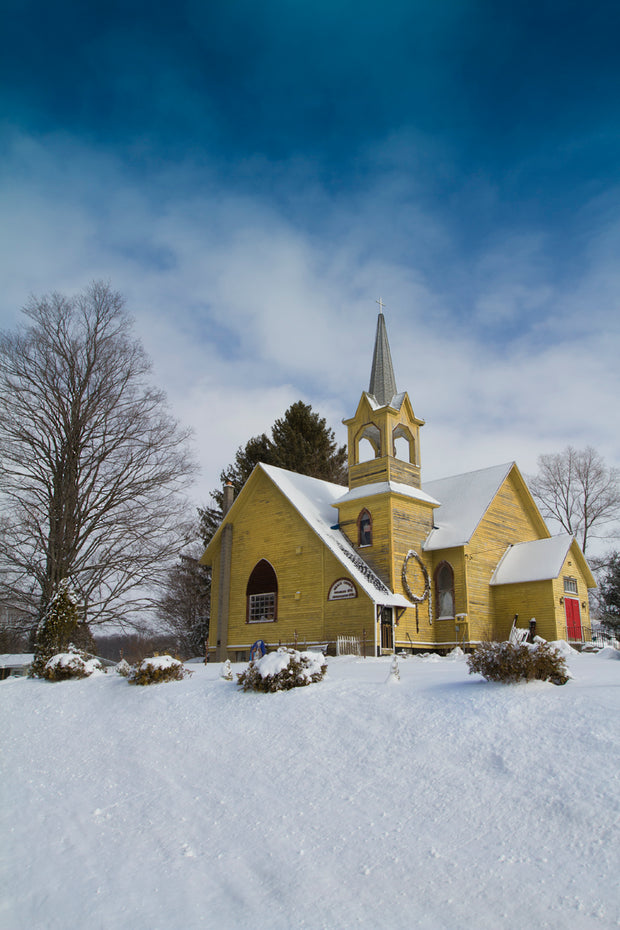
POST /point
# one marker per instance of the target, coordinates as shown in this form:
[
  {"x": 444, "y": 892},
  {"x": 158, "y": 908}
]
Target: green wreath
[{"x": 418, "y": 599}]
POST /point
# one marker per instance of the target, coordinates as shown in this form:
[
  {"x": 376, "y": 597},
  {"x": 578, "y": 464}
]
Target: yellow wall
[
  {"x": 541, "y": 600},
  {"x": 529, "y": 599},
  {"x": 571, "y": 569},
  {"x": 508, "y": 520},
  {"x": 399, "y": 524},
  {"x": 266, "y": 526}
]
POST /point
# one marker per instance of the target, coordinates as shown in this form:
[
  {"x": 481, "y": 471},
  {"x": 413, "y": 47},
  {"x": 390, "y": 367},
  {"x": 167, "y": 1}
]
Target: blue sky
[{"x": 254, "y": 176}]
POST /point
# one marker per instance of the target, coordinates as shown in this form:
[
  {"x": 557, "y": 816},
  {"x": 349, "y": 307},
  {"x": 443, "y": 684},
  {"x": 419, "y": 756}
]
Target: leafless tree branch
[
  {"x": 92, "y": 464},
  {"x": 577, "y": 489}
]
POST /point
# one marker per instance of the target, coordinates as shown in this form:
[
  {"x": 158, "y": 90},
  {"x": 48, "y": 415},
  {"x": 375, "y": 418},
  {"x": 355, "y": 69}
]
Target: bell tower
[{"x": 384, "y": 434}]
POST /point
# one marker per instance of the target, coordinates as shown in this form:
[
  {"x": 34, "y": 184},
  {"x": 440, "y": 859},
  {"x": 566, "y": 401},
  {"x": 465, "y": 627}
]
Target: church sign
[{"x": 342, "y": 589}]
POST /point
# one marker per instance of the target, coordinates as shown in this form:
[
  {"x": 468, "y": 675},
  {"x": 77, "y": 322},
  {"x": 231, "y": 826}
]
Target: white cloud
[{"x": 244, "y": 310}]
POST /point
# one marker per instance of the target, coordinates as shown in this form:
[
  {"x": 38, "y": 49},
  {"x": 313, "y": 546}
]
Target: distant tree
[
  {"x": 609, "y": 594},
  {"x": 91, "y": 462},
  {"x": 576, "y": 488},
  {"x": 184, "y": 606},
  {"x": 300, "y": 441}
]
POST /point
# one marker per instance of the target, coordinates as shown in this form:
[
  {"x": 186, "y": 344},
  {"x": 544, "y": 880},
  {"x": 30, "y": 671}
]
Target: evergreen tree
[
  {"x": 300, "y": 441},
  {"x": 184, "y": 607},
  {"x": 58, "y": 628},
  {"x": 609, "y": 595}
]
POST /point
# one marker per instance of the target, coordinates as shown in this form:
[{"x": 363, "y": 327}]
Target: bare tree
[
  {"x": 91, "y": 462},
  {"x": 576, "y": 488},
  {"x": 184, "y": 607}
]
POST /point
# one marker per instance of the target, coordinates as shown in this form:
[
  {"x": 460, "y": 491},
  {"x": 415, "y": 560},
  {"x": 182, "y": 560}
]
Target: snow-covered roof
[
  {"x": 385, "y": 487},
  {"x": 16, "y": 659},
  {"x": 537, "y": 560},
  {"x": 464, "y": 500},
  {"x": 314, "y": 498},
  {"x": 396, "y": 401}
]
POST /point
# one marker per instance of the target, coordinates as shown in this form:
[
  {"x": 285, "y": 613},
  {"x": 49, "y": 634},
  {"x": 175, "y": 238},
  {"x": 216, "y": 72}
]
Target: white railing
[{"x": 348, "y": 646}]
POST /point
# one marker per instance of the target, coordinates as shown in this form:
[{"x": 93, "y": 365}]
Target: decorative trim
[{"x": 342, "y": 589}]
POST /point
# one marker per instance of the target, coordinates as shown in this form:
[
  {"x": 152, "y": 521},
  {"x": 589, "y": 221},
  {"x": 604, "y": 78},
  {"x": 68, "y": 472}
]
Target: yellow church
[{"x": 389, "y": 564}]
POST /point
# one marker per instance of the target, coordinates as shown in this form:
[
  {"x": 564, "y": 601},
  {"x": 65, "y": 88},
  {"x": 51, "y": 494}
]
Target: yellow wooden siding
[
  {"x": 411, "y": 521},
  {"x": 531, "y": 599},
  {"x": 571, "y": 569},
  {"x": 508, "y": 520},
  {"x": 379, "y": 554},
  {"x": 266, "y": 526}
]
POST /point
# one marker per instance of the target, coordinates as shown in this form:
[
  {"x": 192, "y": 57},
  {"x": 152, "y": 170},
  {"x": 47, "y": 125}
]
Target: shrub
[
  {"x": 71, "y": 664},
  {"x": 511, "y": 663},
  {"x": 282, "y": 670},
  {"x": 56, "y": 629},
  {"x": 123, "y": 668},
  {"x": 156, "y": 669}
]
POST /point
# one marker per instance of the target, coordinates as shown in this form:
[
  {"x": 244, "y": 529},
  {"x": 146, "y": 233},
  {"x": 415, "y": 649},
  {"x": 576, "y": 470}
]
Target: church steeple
[
  {"x": 384, "y": 425},
  {"x": 382, "y": 380}
]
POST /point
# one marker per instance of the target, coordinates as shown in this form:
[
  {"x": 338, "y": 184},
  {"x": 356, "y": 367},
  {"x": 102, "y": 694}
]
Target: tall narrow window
[
  {"x": 570, "y": 586},
  {"x": 364, "y": 525},
  {"x": 444, "y": 590},
  {"x": 262, "y": 594}
]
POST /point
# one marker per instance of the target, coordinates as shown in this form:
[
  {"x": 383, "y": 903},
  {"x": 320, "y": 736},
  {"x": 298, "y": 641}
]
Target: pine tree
[
  {"x": 300, "y": 441},
  {"x": 58, "y": 628},
  {"x": 609, "y": 595}
]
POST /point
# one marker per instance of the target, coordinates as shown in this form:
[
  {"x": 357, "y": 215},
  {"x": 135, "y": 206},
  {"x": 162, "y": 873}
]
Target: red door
[{"x": 573, "y": 619}]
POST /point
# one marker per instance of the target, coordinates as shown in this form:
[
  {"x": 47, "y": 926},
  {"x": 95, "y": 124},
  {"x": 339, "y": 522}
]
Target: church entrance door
[
  {"x": 573, "y": 619},
  {"x": 387, "y": 630}
]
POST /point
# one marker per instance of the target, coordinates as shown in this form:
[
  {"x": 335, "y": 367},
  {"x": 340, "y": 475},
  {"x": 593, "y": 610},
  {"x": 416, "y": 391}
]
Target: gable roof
[
  {"x": 313, "y": 498},
  {"x": 539, "y": 560},
  {"x": 464, "y": 501}
]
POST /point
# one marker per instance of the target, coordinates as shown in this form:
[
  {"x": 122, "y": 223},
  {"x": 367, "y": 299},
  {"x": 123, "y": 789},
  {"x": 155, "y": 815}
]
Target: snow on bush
[
  {"x": 510, "y": 663},
  {"x": 283, "y": 670},
  {"x": 123, "y": 668},
  {"x": 71, "y": 664},
  {"x": 155, "y": 669}
]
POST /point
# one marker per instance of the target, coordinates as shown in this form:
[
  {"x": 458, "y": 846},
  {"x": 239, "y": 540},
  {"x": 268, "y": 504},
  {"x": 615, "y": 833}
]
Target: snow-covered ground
[{"x": 440, "y": 801}]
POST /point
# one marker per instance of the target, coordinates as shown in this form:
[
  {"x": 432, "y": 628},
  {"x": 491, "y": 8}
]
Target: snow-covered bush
[
  {"x": 123, "y": 668},
  {"x": 155, "y": 669},
  {"x": 56, "y": 629},
  {"x": 71, "y": 664},
  {"x": 511, "y": 663},
  {"x": 283, "y": 670}
]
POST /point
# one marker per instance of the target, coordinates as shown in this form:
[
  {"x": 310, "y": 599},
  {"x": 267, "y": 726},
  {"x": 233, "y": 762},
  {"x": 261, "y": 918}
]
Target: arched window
[
  {"x": 444, "y": 590},
  {"x": 262, "y": 594},
  {"x": 364, "y": 529},
  {"x": 368, "y": 443},
  {"x": 403, "y": 444}
]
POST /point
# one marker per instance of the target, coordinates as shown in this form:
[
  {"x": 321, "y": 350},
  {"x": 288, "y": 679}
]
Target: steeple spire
[{"x": 382, "y": 380}]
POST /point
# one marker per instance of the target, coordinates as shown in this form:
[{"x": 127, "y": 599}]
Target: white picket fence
[{"x": 348, "y": 646}]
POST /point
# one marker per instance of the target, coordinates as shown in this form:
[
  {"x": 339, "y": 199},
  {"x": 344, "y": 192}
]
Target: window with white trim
[
  {"x": 444, "y": 591},
  {"x": 570, "y": 586},
  {"x": 262, "y": 594}
]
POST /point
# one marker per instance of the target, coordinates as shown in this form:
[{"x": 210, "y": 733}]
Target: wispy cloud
[{"x": 247, "y": 303}]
